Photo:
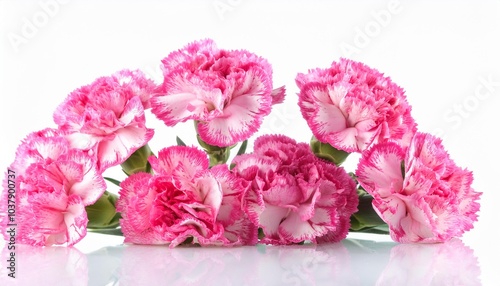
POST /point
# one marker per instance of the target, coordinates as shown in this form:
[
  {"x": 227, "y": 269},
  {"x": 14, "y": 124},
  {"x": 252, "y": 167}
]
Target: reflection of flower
[
  {"x": 449, "y": 263},
  {"x": 310, "y": 264},
  {"x": 54, "y": 183},
  {"x": 182, "y": 200},
  {"x": 352, "y": 106},
  {"x": 228, "y": 92},
  {"x": 294, "y": 196},
  {"x": 47, "y": 266},
  {"x": 108, "y": 115},
  {"x": 421, "y": 194},
  {"x": 146, "y": 265},
  {"x": 261, "y": 265}
]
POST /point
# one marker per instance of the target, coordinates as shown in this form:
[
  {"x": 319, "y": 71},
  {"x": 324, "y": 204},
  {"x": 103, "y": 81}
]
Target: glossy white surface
[
  {"x": 351, "y": 262},
  {"x": 445, "y": 54}
]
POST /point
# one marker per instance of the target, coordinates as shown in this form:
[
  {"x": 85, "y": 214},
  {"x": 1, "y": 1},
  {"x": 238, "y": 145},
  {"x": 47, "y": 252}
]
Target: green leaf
[
  {"x": 108, "y": 231},
  {"x": 243, "y": 148},
  {"x": 403, "y": 168},
  {"x": 179, "y": 141},
  {"x": 366, "y": 218},
  {"x": 116, "y": 182}
]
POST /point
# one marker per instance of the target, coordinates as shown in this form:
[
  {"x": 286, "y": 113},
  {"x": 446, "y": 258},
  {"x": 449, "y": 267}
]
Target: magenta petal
[
  {"x": 209, "y": 192},
  {"x": 92, "y": 184},
  {"x": 179, "y": 161},
  {"x": 75, "y": 219},
  {"x": 243, "y": 115},
  {"x": 270, "y": 219},
  {"x": 278, "y": 94},
  {"x": 185, "y": 99},
  {"x": 126, "y": 141},
  {"x": 379, "y": 170},
  {"x": 294, "y": 229}
]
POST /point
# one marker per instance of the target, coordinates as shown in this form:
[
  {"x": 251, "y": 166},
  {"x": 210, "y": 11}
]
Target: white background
[{"x": 445, "y": 54}]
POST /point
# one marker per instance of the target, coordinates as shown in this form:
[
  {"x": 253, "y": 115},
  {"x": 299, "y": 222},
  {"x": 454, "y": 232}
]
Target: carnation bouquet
[{"x": 219, "y": 194}]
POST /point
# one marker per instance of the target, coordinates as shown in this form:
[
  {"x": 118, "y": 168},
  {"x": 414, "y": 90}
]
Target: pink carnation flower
[
  {"x": 182, "y": 200},
  {"x": 294, "y": 196},
  {"x": 108, "y": 116},
  {"x": 351, "y": 106},
  {"x": 421, "y": 194},
  {"x": 53, "y": 185},
  {"x": 227, "y": 92}
]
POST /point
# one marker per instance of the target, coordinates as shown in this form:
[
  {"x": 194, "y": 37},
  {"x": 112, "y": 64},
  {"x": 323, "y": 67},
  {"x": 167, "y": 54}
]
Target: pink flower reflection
[
  {"x": 327, "y": 264},
  {"x": 449, "y": 263},
  {"x": 324, "y": 264},
  {"x": 147, "y": 264},
  {"x": 46, "y": 266}
]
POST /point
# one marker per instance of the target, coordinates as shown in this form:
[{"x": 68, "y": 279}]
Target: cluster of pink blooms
[
  {"x": 281, "y": 193},
  {"x": 417, "y": 189},
  {"x": 59, "y": 171}
]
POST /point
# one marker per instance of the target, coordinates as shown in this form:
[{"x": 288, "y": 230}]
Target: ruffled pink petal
[
  {"x": 270, "y": 218},
  {"x": 284, "y": 192},
  {"x": 194, "y": 56},
  {"x": 253, "y": 204},
  {"x": 321, "y": 114},
  {"x": 232, "y": 189},
  {"x": 272, "y": 142},
  {"x": 134, "y": 203},
  {"x": 75, "y": 219},
  {"x": 182, "y": 162},
  {"x": 50, "y": 208},
  {"x": 125, "y": 142},
  {"x": 249, "y": 161},
  {"x": 243, "y": 115},
  {"x": 184, "y": 99},
  {"x": 208, "y": 191},
  {"x": 278, "y": 95},
  {"x": 392, "y": 210},
  {"x": 58, "y": 219},
  {"x": 138, "y": 83},
  {"x": 82, "y": 141},
  {"x": 294, "y": 229},
  {"x": 192, "y": 227},
  {"x": 91, "y": 185},
  {"x": 47, "y": 144},
  {"x": 379, "y": 170},
  {"x": 242, "y": 232}
]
